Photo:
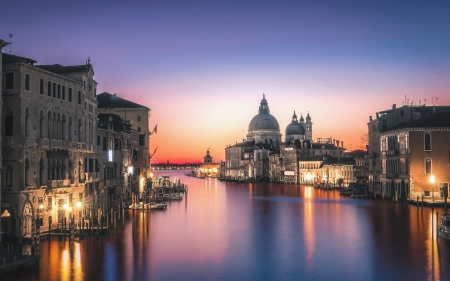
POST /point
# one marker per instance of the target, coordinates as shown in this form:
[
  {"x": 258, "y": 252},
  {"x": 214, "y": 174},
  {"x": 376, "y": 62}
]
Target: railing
[
  {"x": 8, "y": 140},
  {"x": 59, "y": 183},
  {"x": 44, "y": 142},
  {"x": 30, "y": 141}
]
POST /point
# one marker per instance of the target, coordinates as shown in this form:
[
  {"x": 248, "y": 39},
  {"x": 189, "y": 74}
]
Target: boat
[
  {"x": 173, "y": 196},
  {"x": 137, "y": 206},
  {"x": 444, "y": 226},
  {"x": 157, "y": 206}
]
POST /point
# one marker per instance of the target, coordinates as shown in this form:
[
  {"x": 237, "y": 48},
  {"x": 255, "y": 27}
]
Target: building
[
  {"x": 4, "y": 217},
  {"x": 139, "y": 116},
  {"x": 49, "y": 143},
  {"x": 402, "y": 159},
  {"x": 415, "y": 156},
  {"x": 209, "y": 168},
  {"x": 264, "y": 157}
]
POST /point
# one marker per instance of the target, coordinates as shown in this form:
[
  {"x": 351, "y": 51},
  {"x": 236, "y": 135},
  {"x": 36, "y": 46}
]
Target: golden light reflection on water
[
  {"x": 433, "y": 265},
  {"x": 65, "y": 266},
  {"x": 308, "y": 226}
]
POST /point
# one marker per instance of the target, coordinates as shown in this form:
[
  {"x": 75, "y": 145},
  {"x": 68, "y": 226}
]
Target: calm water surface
[{"x": 230, "y": 231}]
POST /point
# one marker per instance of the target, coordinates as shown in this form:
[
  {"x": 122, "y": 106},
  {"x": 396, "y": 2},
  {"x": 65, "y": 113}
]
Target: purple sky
[{"x": 202, "y": 66}]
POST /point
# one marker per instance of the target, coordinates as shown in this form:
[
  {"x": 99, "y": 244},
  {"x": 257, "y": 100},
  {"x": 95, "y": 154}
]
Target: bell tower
[{"x": 308, "y": 127}]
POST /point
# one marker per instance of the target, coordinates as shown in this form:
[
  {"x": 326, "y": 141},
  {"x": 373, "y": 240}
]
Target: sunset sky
[{"x": 203, "y": 66}]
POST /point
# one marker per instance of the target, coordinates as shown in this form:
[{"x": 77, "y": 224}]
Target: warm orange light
[
  {"x": 66, "y": 206},
  {"x": 79, "y": 204},
  {"x": 432, "y": 179}
]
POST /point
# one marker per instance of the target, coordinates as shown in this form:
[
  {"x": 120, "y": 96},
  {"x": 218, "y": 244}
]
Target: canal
[{"x": 232, "y": 231}]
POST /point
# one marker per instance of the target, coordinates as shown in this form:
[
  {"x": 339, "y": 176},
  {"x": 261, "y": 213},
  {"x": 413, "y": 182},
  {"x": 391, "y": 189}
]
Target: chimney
[
  {"x": 370, "y": 118},
  {"x": 342, "y": 143}
]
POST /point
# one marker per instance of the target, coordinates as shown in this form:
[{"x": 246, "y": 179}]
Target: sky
[{"x": 203, "y": 66}]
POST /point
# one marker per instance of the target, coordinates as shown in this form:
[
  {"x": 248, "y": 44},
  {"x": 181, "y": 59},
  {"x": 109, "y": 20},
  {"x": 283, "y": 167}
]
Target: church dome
[
  {"x": 295, "y": 129},
  {"x": 263, "y": 120}
]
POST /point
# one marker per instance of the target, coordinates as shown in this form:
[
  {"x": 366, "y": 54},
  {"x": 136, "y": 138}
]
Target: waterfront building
[
  {"x": 4, "y": 217},
  {"x": 209, "y": 168},
  {"x": 139, "y": 116},
  {"x": 415, "y": 156},
  {"x": 264, "y": 157},
  {"x": 48, "y": 131},
  {"x": 409, "y": 151}
]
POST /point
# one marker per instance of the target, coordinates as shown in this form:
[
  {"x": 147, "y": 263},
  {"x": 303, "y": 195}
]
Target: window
[
  {"x": 138, "y": 129},
  {"x": 9, "y": 122},
  {"x": 139, "y": 117},
  {"x": 59, "y": 91},
  {"x": 50, "y": 203},
  {"x": 41, "y": 86},
  {"x": 70, "y": 94},
  {"x": 105, "y": 145},
  {"x": 402, "y": 113},
  {"x": 9, "y": 81},
  {"x": 8, "y": 176},
  {"x": 79, "y": 97},
  {"x": 27, "y": 82},
  {"x": 54, "y": 90},
  {"x": 427, "y": 166},
  {"x": 49, "y": 88},
  {"x": 91, "y": 165},
  {"x": 427, "y": 141}
]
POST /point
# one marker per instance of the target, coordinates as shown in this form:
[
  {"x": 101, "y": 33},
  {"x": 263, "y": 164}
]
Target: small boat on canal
[
  {"x": 444, "y": 226},
  {"x": 157, "y": 206}
]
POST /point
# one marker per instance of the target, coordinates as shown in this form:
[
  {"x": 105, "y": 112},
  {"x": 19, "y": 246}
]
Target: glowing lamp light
[
  {"x": 79, "y": 204},
  {"x": 130, "y": 170},
  {"x": 432, "y": 179},
  {"x": 151, "y": 175},
  {"x": 65, "y": 206},
  {"x": 41, "y": 206}
]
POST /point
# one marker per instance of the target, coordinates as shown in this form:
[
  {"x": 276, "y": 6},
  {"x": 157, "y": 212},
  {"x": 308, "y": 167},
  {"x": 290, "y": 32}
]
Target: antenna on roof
[
  {"x": 88, "y": 61},
  {"x": 10, "y": 36}
]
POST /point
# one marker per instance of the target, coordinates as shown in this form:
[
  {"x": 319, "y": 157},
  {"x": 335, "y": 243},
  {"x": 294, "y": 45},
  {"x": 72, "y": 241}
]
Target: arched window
[
  {"x": 41, "y": 172},
  {"x": 27, "y": 172},
  {"x": 70, "y": 129},
  {"x": 63, "y": 127},
  {"x": 8, "y": 175},
  {"x": 9, "y": 122},
  {"x": 41, "y": 124},
  {"x": 428, "y": 166},
  {"x": 70, "y": 171},
  {"x": 27, "y": 121},
  {"x": 63, "y": 170},
  {"x": 49, "y": 169},
  {"x": 80, "y": 128},
  {"x": 427, "y": 141},
  {"x": 58, "y": 127},
  {"x": 49, "y": 125},
  {"x": 54, "y": 126}
]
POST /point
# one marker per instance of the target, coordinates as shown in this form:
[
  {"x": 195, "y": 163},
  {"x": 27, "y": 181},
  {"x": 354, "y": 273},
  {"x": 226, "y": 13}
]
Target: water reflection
[{"x": 230, "y": 231}]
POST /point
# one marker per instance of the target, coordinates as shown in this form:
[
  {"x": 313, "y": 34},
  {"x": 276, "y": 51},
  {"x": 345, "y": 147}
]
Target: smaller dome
[
  {"x": 301, "y": 118},
  {"x": 295, "y": 128},
  {"x": 308, "y": 118}
]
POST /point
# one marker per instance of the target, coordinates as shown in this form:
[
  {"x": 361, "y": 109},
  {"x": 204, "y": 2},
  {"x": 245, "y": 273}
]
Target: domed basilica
[{"x": 264, "y": 127}]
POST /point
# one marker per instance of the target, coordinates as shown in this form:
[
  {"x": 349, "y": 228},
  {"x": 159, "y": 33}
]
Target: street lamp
[{"x": 432, "y": 181}]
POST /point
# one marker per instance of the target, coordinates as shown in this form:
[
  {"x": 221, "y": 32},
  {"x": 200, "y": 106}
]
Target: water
[{"x": 230, "y": 231}]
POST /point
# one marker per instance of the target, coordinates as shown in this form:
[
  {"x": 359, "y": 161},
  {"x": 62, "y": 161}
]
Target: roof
[
  {"x": 440, "y": 118},
  {"x": 57, "y": 68},
  {"x": 107, "y": 100},
  {"x": 8, "y": 58}
]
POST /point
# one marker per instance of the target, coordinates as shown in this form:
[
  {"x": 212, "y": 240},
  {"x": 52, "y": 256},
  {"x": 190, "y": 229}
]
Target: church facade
[{"x": 265, "y": 156}]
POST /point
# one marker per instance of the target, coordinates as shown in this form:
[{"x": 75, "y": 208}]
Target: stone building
[
  {"x": 139, "y": 116},
  {"x": 49, "y": 120},
  {"x": 4, "y": 217},
  {"x": 415, "y": 156},
  {"x": 407, "y": 146},
  {"x": 209, "y": 168}
]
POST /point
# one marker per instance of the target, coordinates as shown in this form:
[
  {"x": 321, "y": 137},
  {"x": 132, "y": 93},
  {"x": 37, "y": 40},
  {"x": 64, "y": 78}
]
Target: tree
[{"x": 364, "y": 141}]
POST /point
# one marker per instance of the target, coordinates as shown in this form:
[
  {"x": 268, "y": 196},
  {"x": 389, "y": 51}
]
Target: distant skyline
[{"x": 203, "y": 66}]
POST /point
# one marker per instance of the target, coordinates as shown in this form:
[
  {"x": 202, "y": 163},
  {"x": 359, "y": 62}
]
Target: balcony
[
  {"x": 391, "y": 175},
  {"x": 59, "y": 183},
  {"x": 29, "y": 142},
  {"x": 392, "y": 153},
  {"x": 44, "y": 142},
  {"x": 9, "y": 140}
]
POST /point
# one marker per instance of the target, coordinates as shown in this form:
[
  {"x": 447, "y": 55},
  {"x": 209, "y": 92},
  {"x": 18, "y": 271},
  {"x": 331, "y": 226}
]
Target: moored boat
[
  {"x": 157, "y": 206},
  {"x": 444, "y": 226}
]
